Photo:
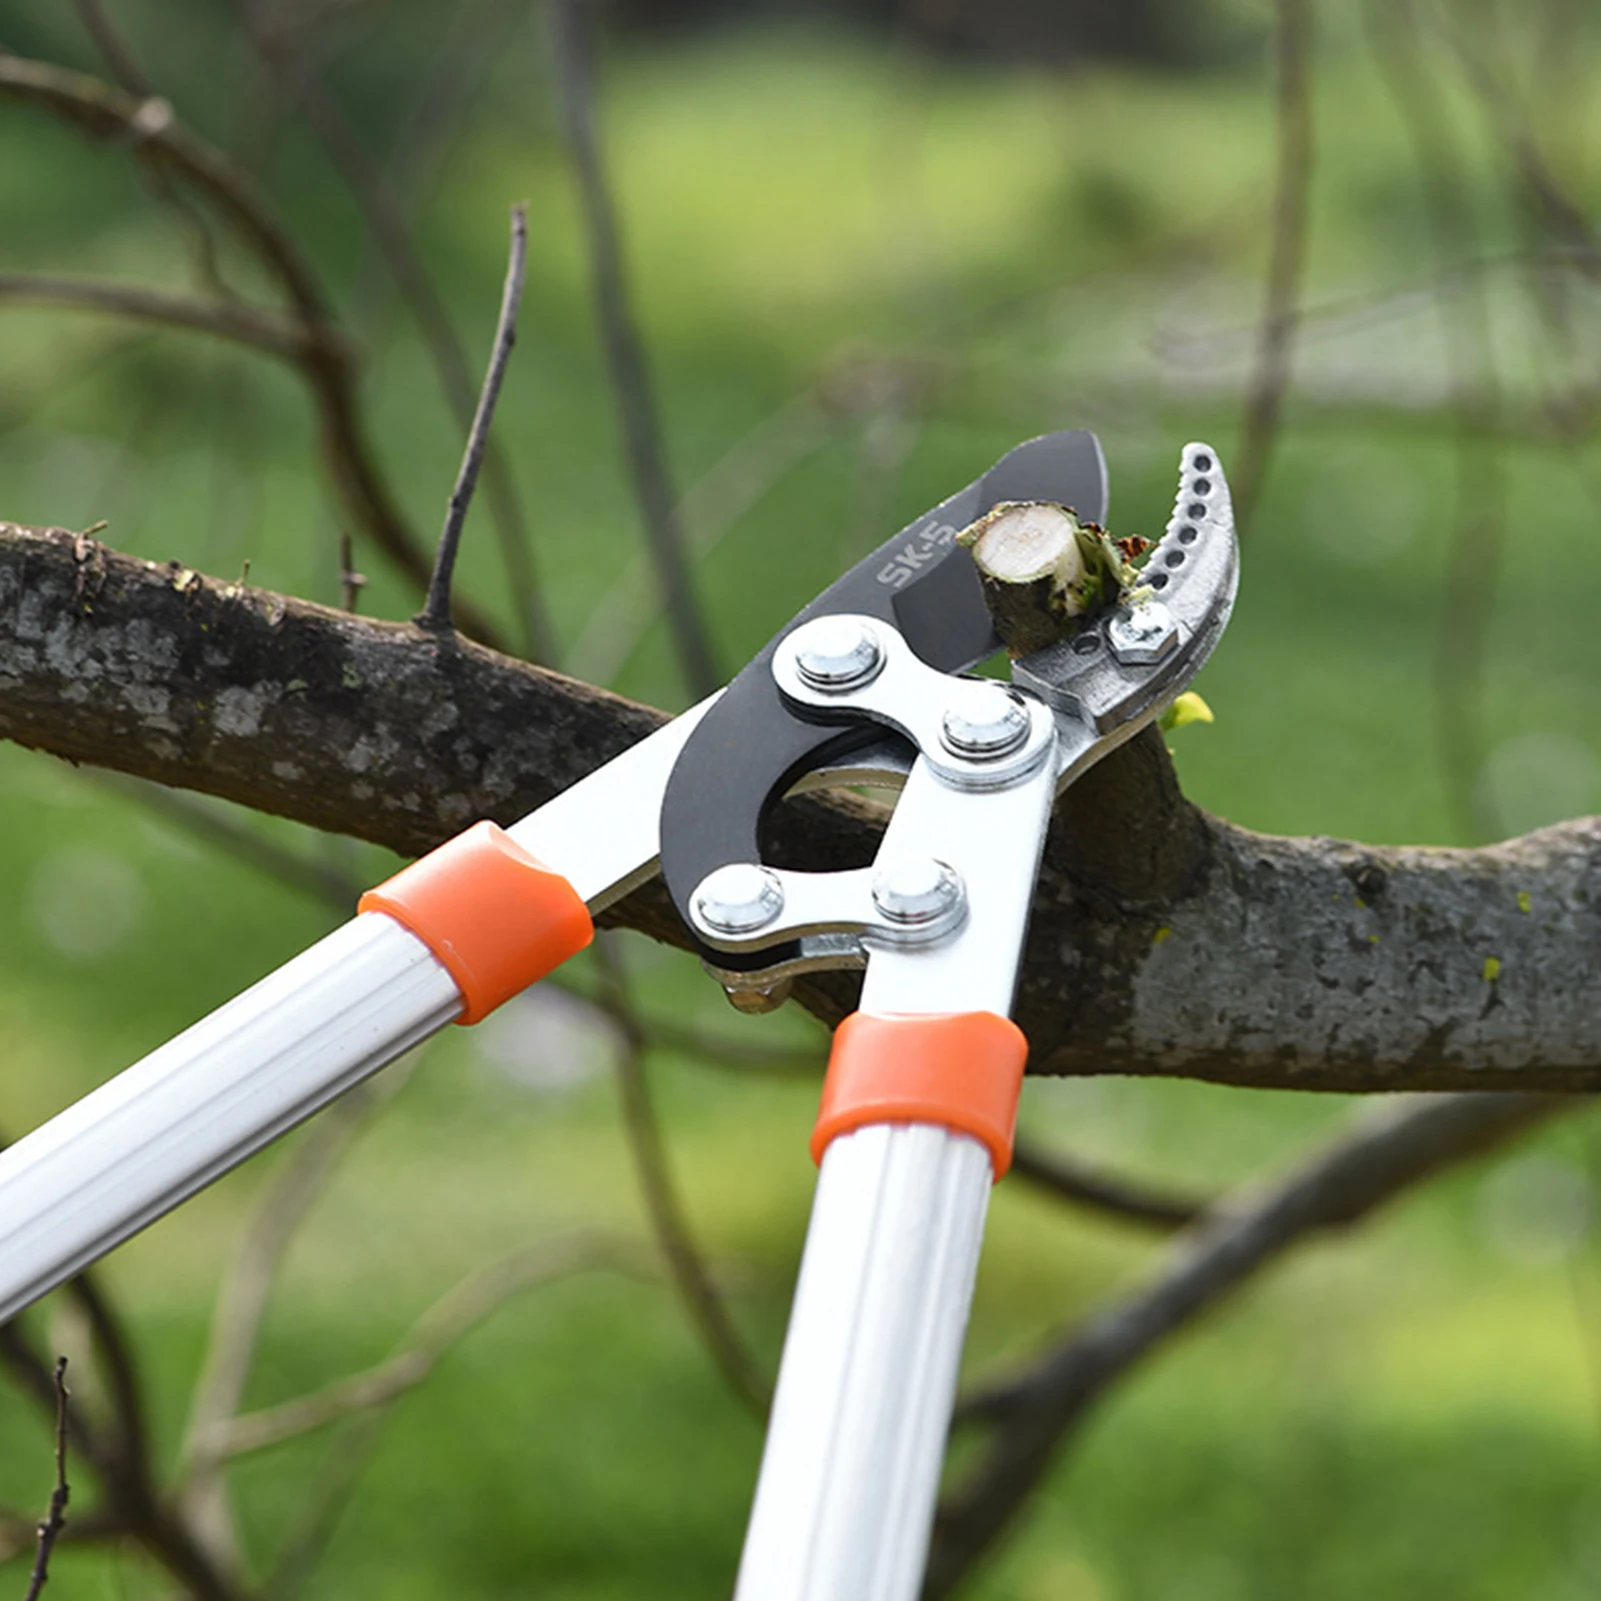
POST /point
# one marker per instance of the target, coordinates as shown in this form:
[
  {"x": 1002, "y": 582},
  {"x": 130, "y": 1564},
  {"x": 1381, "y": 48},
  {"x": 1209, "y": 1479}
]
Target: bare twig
[
  {"x": 212, "y": 825},
  {"x": 710, "y": 507},
  {"x": 1388, "y": 1151},
  {"x": 625, "y": 355},
  {"x": 351, "y": 582},
  {"x": 190, "y": 220},
  {"x": 1478, "y": 535},
  {"x": 243, "y": 325},
  {"x": 690, "y": 1276},
  {"x": 56, "y": 1518},
  {"x": 436, "y": 610},
  {"x": 1087, "y": 1187},
  {"x": 1552, "y": 202},
  {"x": 361, "y": 1415},
  {"x": 477, "y": 36},
  {"x": 296, "y": 1185},
  {"x": 1292, "y": 49},
  {"x": 115, "y": 1350},
  {"x": 387, "y": 223},
  {"x": 150, "y": 128},
  {"x": 442, "y": 1326}
]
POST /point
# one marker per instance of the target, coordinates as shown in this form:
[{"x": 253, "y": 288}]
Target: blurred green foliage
[{"x": 868, "y": 274}]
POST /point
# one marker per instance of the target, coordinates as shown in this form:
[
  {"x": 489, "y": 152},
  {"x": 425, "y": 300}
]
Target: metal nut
[
  {"x": 988, "y": 721},
  {"x": 738, "y": 899},
  {"x": 1143, "y": 634},
  {"x": 836, "y": 654}
]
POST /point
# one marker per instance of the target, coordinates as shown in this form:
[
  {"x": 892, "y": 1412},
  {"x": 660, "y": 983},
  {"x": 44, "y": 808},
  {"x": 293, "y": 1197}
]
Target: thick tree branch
[{"x": 1183, "y": 947}]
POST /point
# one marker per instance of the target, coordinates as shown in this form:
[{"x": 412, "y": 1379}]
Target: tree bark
[{"x": 1185, "y": 946}]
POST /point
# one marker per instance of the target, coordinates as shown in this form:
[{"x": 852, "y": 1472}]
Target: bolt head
[
  {"x": 917, "y": 890},
  {"x": 1143, "y": 634},
  {"x": 758, "y": 1002},
  {"x": 986, "y": 721},
  {"x": 836, "y": 654},
  {"x": 738, "y": 899}
]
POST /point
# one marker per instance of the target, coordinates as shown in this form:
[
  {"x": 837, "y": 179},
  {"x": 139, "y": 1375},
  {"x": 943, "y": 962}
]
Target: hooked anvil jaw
[{"x": 1113, "y": 677}]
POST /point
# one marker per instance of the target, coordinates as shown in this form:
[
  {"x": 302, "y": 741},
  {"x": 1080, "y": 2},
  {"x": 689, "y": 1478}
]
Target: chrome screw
[
  {"x": 917, "y": 890},
  {"x": 836, "y": 654},
  {"x": 738, "y": 899},
  {"x": 988, "y": 721},
  {"x": 1140, "y": 635}
]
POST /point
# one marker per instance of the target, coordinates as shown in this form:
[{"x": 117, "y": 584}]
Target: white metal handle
[
  {"x": 852, "y": 1462},
  {"x": 203, "y": 1102}
]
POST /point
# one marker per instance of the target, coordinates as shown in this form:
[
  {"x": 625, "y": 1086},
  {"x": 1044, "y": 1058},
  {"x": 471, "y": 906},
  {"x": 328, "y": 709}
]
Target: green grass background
[{"x": 1411, "y": 1414}]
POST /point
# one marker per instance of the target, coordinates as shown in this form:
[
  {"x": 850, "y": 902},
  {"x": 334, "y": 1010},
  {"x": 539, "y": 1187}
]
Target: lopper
[{"x": 867, "y": 685}]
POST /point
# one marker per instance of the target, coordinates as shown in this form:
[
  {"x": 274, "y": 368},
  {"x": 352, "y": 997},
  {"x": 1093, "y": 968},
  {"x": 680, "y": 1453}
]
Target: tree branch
[
  {"x": 436, "y": 609},
  {"x": 1185, "y": 947},
  {"x": 1391, "y": 1149},
  {"x": 691, "y": 1277},
  {"x": 625, "y": 355},
  {"x": 386, "y": 222},
  {"x": 166, "y": 147},
  {"x": 1096, "y": 1191},
  {"x": 263, "y": 331},
  {"x": 443, "y": 1325},
  {"x": 56, "y": 1518},
  {"x": 1292, "y": 49}
]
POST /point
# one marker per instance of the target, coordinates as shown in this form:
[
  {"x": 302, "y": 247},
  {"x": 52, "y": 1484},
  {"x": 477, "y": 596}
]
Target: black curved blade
[{"x": 750, "y": 748}]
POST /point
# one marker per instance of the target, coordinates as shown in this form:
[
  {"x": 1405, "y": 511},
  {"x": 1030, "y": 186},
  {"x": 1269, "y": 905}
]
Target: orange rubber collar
[
  {"x": 496, "y": 918},
  {"x": 961, "y": 1070}
]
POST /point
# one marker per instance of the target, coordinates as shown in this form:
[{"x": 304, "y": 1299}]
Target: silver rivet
[
  {"x": 986, "y": 722},
  {"x": 738, "y": 899},
  {"x": 835, "y": 654},
  {"x": 1140, "y": 635},
  {"x": 917, "y": 889}
]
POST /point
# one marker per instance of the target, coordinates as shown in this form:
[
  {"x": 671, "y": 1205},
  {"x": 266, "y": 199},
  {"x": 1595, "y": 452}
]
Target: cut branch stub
[{"x": 1042, "y": 570}]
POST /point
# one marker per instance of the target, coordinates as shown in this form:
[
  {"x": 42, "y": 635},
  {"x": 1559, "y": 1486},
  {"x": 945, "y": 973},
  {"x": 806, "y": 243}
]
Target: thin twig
[
  {"x": 115, "y": 1350},
  {"x": 1478, "y": 536},
  {"x": 1388, "y": 1151},
  {"x": 386, "y": 221},
  {"x": 709, "y": 509},
  {"x": 1131, "y": 1203},
  {"x": 56, "y": 1519},
  {"x": 1264, "y": 401},
  {"x": 351, "y": 582},
  {"x": 477, "y": 36},
  {"x": 441, "y": 1327},
  {"x": 150, "y": 128},
  {"x": 359, "y": 1431},
  {"x": 209, "y": 822},
  {"x": 690, "y": 1276},
  {"x": 189, "y": 219},
  {"x": 436, "y": 609},
  {"x": 296, "y": 1186},
  {"x": 264, "y": 331},
  {"x": 625, "y": 355}
]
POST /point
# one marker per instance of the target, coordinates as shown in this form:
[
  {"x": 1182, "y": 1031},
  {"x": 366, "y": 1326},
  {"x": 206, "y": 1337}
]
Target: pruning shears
[{"x": 869, "y": 684}]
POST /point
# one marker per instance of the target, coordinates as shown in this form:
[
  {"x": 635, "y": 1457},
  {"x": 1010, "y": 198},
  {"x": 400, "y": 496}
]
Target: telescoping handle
[
  {"x": 916, "y": 1124},
  {"x": 450, "y": 937}
]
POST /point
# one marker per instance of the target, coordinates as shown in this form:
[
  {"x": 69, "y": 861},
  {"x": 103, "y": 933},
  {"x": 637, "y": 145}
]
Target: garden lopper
[{"x": 867, "y": 685}]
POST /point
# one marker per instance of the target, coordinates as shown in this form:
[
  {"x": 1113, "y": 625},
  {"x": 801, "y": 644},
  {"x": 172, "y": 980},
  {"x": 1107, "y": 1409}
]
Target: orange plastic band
[
  {"x": 960, "y": 1070},
  {"x": 495, "y": 917}
]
